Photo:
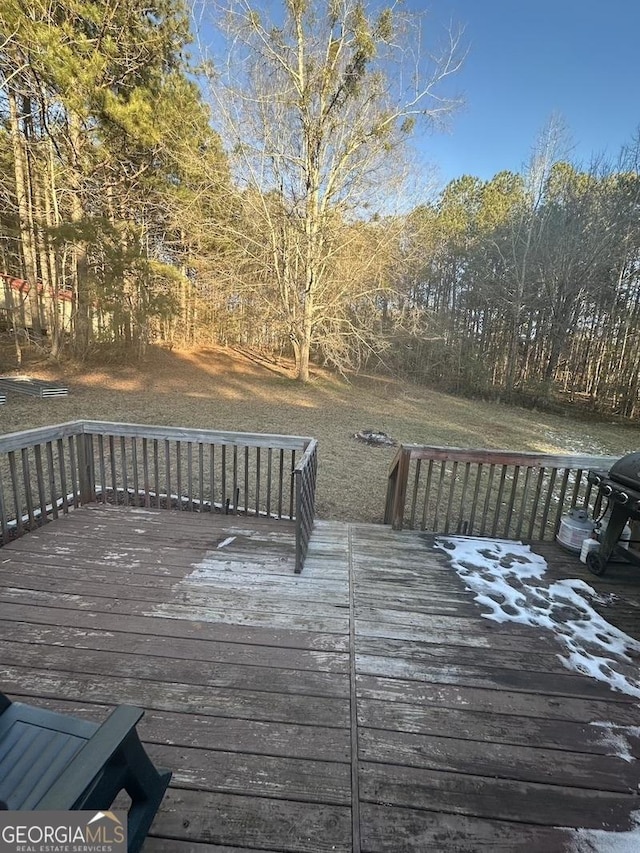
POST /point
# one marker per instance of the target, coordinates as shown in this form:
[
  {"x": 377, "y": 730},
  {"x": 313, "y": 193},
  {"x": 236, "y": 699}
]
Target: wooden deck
[{"x": 365, "y": 705}]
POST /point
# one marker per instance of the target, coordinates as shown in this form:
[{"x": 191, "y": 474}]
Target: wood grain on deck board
[
  {"x": 202, "y": 731},
  {"x": 388, "y": 828},
  {"x": 178, "y": 648},
  {"x": 558, "y": 683},
  {"x": 231, "y": 819},
  {"x": 169, "y": 696},
  {"x": 176, "y": 671},
  {"x": 498, "y": 760},
  {"x": 401, "y": 654},
  {"x": 548, "y": 804},
  {"x": 153, "y": 626},
  {"x": 183, "y": 610},
  {"x": 494, "y": 723},
  {"x": 197, "y": 590}
]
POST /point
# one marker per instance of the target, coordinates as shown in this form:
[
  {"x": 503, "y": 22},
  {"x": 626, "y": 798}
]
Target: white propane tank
[
  {"x": 574, "y": 529},
  {"x": 625, "y": 536}
]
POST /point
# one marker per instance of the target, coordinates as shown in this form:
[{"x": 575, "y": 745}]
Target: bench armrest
[{"x": 91, "y": 759}]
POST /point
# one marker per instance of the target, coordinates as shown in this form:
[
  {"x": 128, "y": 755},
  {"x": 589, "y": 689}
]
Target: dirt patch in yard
[{"x": 221, "y": 388}]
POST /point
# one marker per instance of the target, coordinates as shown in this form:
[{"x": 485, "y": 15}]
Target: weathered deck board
[
  {"x": 178, "y": 628},
  {"x": 299, "y": 827},
  {"x": 178, "y": 697},
  {"x": 207, "y": 732},
  {"x": 388, "y": 828},
  {"x": 471, "y": 735},
  {"x": 178, "y": 648},
  {"x": 478, "y": 795},
  {"x": 496, "y": 760},
  {"x": 200, "y": 673}
]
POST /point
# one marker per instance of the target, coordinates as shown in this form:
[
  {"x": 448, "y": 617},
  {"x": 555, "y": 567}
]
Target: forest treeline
[{"x": 149, "y": 193}]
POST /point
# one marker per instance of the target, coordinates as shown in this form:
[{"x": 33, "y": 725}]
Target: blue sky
[{"x": 527, "y": 60}]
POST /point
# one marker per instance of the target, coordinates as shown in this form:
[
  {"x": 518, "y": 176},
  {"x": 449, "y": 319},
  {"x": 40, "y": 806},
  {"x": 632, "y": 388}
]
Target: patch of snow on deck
[
  {"x": 508, "y": 579},
  {"x": 605, "y": 841},
  {"x": 616, "y": 739}
]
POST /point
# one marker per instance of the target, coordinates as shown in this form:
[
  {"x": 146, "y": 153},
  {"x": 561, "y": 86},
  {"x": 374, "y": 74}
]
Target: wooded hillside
[{"x": 251, "y": 198}]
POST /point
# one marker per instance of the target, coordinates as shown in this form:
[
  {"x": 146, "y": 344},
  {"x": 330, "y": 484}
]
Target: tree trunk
[
  {"x": 25, "y": 214},
  {"x": 83, "y": 312},
  {"x": 56, "y": 304}
]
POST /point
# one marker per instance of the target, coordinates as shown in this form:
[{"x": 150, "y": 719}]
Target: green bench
[{"x": 59, "y": 762}]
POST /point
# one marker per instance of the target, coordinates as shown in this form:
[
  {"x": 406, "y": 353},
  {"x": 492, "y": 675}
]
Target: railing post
[
  {"x": 86, "y": 480},
  {"x": 392, "y": 479},
  {"x": 297, "y": 474},
  {"x": 304, "y": 484},
  {"x": 397, "y": 488}
]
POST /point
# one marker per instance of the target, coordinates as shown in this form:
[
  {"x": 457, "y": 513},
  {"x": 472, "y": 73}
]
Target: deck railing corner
[{"x": 46, "y": 471}]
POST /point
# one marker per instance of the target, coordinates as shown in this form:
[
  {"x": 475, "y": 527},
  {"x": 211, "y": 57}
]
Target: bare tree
[{"x": 316, "y": 107}]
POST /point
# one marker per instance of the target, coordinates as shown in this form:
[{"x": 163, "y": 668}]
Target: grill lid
[{"x": 627, "y": 470}]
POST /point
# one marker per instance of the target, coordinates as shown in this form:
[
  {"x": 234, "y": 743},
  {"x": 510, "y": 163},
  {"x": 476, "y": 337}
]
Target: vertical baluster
[
  {"x": 62, "y": 468},
  {"x": 223, "y": 478},
  {"x": 291, "y": 484},
  {"x": 512, "y": 499},
  {"x": 427, "y": 496},
  {"x": 487, "y": 498},
  {"x": 576, "y": 488},
  {"x": 212, "y": 475},
  {"x": 114, "y": 473},
  {"x": 561, "y": 499},
  {"x": 547, "y": 503},
  {"x": 498, "y": 508},
  {"x": 536, "y": 503},
  {"x": 235, "y": 479},
  {"x": 4, "y": 525},
  {"x": 179, "y": 474},
  {"x": 17, "y": 499},
  {"x": 414, "y": 496},
  {"x": 52, "y": 479},
  {"x": 476, "y": 495},
  {"x": 454, "y": 477},
  {"x": 37, "y": 452},
  {"x": 156, "y": 471},
  {"x": 73, "y": 467},
  {"x": 280, "y": 483},
  {"x": 125, "y": 479},
  {"x": 258, "y": 472},
  {"x": 190, "y": 476},
  {"x": 134, "y": 465},
  {"x": 463, "y": 497},
  {"x": 167, "y": 472},
  {"x": 443, "y": 468},
  {"x": 145, "y": 472},
  {"x": 269, "y": 466},
  {"x": 103, "y": 471},
  {"x": 246, "y": 480},
  {"x": 201, "y": 476},
  {"x": 523, "y": 502}
]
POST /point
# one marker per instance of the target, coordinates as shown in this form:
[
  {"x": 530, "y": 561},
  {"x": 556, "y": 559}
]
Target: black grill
[{"x": 620, "y": 486}]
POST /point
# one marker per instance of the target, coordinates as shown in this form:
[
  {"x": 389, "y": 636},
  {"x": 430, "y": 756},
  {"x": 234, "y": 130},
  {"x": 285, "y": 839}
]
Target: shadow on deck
[{"x": 364, "y": 705}]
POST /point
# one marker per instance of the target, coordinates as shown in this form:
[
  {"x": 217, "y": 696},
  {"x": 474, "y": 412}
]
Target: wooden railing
[
  {"x": 488, "y": 492},
  {"x": 39, "y": 476},
  {"x": 45, "y": 472},
  {"x": 305, "y": 474}
]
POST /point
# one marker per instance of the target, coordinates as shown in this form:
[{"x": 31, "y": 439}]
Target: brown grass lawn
[{"x": 217, "y": 388}]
